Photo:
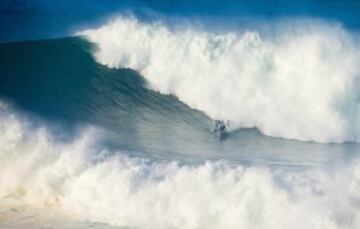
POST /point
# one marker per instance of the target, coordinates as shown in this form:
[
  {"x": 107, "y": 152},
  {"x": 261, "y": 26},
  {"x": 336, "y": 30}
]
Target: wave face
[
  {"x": 85, "y": 182},
  {"x": 301, "y": 81},
  {"x": 68, "y": 91}
]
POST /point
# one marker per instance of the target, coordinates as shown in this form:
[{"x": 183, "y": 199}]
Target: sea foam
[
  {"x": 301, "y": 81},
  {"x": 85, "y": 182}
]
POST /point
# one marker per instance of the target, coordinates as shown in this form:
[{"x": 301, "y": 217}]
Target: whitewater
[
  {"x": 79, "y": 180},
  {"x": 300, "y": 81}
]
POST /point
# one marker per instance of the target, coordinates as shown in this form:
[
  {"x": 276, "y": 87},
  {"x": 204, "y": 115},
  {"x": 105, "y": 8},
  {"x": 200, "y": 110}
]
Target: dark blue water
[{"x": 34, "y": 19}]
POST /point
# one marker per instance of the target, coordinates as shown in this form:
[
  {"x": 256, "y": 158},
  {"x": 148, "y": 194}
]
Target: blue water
[{"x": 35, "y": 19}]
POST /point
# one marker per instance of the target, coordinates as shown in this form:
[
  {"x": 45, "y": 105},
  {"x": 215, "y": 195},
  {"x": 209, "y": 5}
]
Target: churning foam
[
  {"x": 301, "y": 82},
  {"x": 81, "y": 180}
]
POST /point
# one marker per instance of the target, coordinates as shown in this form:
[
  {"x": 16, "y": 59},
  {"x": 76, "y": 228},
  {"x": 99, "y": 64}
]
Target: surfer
[{"x": 219, "y": 128}]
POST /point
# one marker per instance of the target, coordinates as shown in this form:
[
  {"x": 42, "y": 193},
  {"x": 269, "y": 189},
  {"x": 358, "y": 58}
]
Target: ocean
[{"x": 165, "y": 114}]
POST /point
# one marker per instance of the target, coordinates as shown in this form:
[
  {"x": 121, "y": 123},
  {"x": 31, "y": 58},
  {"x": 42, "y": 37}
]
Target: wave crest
[{"x": 301, "y": 82}]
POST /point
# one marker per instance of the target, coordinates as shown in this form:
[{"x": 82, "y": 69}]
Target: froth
[
  {"x": 300, "y": 82},
  {"x": 80, "y": 179}
]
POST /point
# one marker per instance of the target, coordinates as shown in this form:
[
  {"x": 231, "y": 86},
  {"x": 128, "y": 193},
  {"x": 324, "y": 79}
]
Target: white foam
[
  {"x": 300, "y": 82},
  {"x": 77, "y": 179}
]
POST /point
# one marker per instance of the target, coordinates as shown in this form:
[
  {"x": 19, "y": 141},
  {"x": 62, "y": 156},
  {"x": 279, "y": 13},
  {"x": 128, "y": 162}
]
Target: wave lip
[{"x": 299, "y": 83}]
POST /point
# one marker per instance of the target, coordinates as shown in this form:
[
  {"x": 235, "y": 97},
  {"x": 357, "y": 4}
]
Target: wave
[
  {"x": 86, "y": 182},
  {"x": 299, "y": 81},
  {"x": 69, "y": 91}
]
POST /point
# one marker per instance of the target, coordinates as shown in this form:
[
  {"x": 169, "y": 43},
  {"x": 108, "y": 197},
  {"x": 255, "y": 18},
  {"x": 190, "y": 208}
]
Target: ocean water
[{"x": 108, "y": 114}]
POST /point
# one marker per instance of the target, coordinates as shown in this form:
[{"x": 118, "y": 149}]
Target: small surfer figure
[{"x": 219, "y": 128}]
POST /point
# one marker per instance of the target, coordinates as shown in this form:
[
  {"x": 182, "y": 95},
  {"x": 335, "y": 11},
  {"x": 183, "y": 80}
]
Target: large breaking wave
[
  {"x": 301, "y": 81},
  {"x": 82, "y": 180}
]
